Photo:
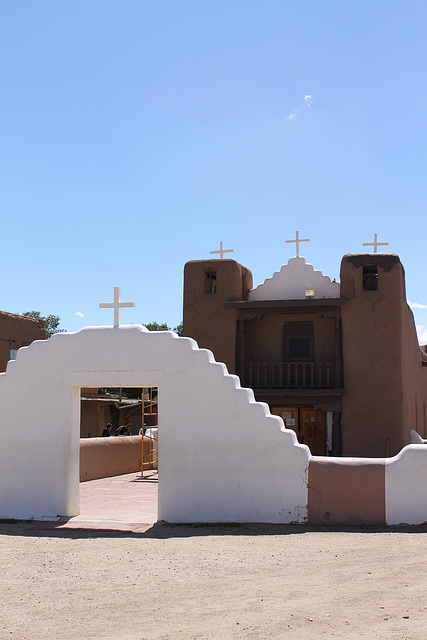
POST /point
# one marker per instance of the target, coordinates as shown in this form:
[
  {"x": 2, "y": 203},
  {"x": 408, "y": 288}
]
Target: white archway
[{"x": 225, "y": 458}]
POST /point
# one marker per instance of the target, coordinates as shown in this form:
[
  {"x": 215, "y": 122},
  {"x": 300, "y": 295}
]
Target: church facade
[{"x": 339, "y": 362}]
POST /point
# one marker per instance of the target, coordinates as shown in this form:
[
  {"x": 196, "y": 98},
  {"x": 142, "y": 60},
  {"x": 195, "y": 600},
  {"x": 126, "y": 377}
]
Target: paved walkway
[{"x": 123, "y": 503}]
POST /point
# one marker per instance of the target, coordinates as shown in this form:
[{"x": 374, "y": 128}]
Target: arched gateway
[{"x": 223, "y": 457}]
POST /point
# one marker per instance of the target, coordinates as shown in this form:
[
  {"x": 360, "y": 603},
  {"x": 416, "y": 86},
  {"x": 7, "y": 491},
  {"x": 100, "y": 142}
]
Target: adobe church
[{"x": 339, "y": 362}]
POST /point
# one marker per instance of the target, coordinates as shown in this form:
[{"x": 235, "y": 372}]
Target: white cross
[
  {"x": 297, "y": 241},
  {"x": 222, "y": 251},
  {"x": 375, "y": 243},
  {"x": 116, "y": 305}
]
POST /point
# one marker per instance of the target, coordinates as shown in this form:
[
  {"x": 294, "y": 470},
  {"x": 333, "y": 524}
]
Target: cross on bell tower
[
  {"x": 116, "y": 305},
  {"x": 221, "y": 251},
  {"x": 375, "y": 243}
]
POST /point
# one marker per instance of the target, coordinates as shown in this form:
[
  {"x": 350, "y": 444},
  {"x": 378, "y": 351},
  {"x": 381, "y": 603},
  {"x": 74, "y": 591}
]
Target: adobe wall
[
  {"x": 415, "y": 379},
  {"x": 89, "y": 426},
  {"x": 346, "y": 491},
  {"x": 114, "y": 456},
  {"x": 405, "y": 486},
  {"x": 369, "y": 491},
  {"x": 204, "y": 316},
  {"x": 214, "y": 438},
  {"x": 373, "y": 329},
  {"x": 17, "y": 331},
  {"x": 264, "y": 338}
]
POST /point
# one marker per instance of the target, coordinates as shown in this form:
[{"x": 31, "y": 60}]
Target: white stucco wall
[
  {"x": 222, "y": 456},
  {"x": 293, "y": 280},
  {"x": 405, "y": 486}
]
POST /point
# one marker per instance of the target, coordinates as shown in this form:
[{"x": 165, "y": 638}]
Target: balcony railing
[{"x": 291, "y": 375}]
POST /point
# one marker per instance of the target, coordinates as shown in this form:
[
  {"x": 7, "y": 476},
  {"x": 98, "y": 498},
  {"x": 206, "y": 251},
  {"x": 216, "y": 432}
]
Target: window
[
  {"x": 13, "y": 354},
  {"x": 370, "y": 278},
  {"x": 210, "y": 282},
  {"x": 299, "y": 342}
]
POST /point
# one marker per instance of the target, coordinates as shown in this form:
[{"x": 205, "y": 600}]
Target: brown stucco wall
[
  {"x": 415, "y": 379},
  {"x": 346, "y": 491},
  {"x": 265, "y": 336},
  {"x": 373, "y": 329},
  {"x": 17, "y": 331},
  {"x": 114, "y": 456},
  {"x": 204, "y": 316},
  {"x": 94, "y": 417}
]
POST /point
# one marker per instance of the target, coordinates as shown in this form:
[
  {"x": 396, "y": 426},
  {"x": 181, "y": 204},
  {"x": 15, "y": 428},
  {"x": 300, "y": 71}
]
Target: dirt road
[{"x": 212, "y": 583}]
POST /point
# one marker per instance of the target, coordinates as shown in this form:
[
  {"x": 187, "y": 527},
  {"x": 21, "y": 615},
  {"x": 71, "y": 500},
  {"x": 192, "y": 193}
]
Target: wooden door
[
  {"x": 289, "y": 416},
  {"x": 312, "y": 426}
]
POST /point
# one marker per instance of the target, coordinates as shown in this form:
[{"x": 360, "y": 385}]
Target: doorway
[
  {"x": 308, "y": 424},
  {"x": 118, "y": 465}
]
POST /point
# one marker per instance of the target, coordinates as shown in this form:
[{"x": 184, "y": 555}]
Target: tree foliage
[
  {"x": 51, "y": 322},
  {"x": 179, "y": 329},
  {"x": 163, "y": 326},
  {"x": 157, "y": 326}
]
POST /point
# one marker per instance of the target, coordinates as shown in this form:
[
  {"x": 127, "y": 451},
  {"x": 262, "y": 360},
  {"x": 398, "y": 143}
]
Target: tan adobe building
[
  {"x": 340, "y": 362},
  {"x": 15, "y": 332}
]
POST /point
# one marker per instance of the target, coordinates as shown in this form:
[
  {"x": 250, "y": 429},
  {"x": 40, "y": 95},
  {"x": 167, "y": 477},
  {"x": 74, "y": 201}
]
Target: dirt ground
[{"x": 212, "y": 583}]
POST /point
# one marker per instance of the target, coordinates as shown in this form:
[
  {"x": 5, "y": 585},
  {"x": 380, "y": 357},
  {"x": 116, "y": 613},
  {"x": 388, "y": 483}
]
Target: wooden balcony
[{"x": 290, "y": 375}]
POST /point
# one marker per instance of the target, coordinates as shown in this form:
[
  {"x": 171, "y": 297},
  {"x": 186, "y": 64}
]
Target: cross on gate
[
  {"x": 375, "y": 243},
  {"x": 116, "y": 305},
  {"x": 297, "y": 241},
  {"x": 221, "y": 251}
]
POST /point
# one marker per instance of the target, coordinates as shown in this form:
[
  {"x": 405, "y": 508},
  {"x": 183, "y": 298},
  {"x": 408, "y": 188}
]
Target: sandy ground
[{"x": 214, "y": 582}]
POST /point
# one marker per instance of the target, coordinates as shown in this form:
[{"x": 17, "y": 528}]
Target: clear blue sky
[{"x": 136, "y": 135}]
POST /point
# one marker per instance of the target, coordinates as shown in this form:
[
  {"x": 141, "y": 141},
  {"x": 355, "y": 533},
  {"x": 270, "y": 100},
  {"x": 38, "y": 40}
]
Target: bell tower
[
  {"x": 207, "y": 285},
  {"x": 374, "y": 317}
]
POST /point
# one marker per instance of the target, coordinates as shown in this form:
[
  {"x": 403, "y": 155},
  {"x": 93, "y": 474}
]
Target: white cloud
[
  {"x": 422, "y": 334},
  {"x": 417, "y": 305},
  {"x": 79, "y": 314},
  {"x": 308, "y": 99}
]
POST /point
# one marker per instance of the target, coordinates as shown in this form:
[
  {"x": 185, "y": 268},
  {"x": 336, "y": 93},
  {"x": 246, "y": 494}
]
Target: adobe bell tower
[
  {"x": 207, "y": 285},
  {"x": 376, "y": 341}
]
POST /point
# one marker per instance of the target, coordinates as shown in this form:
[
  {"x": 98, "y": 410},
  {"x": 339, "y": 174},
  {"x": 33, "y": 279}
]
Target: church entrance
[{"x": 309, "y": 426}]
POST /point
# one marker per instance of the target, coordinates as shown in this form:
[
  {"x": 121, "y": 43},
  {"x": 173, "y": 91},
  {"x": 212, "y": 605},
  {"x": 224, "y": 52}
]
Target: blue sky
[{"x": 137, "y": 135}]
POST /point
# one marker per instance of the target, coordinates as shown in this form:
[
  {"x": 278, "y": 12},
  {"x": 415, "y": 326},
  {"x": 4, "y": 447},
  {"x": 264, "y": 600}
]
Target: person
[
  {"x": 107, "y": 430},
  {"x": 125, "y": 430},
  {"x": 142, "y": 430}
]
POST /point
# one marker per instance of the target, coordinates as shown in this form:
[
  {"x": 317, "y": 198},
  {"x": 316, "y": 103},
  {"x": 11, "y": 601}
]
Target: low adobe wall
[
  {"x": 114, "y": 456},
  {"x": 369, "y": 491},
  {"x": 349, "y": 491}
]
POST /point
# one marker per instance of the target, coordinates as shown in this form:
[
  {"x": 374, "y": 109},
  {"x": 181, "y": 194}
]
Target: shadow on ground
[{"x": 163, "y": 530}]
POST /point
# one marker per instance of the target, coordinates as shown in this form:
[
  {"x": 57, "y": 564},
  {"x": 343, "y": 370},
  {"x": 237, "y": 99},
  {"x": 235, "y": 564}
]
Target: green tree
[
  {"x": 179, "y": 329},
  {"x": 51, "y": 323},
  {"x": 157, "y": 326}
]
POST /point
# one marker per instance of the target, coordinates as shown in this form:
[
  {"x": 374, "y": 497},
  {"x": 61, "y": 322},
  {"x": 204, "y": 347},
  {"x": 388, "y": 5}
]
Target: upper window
[
  {"x": 370, "y": 278},
  {"x": 299, "y": 342},
  {"x": 210, "y": 281}
]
